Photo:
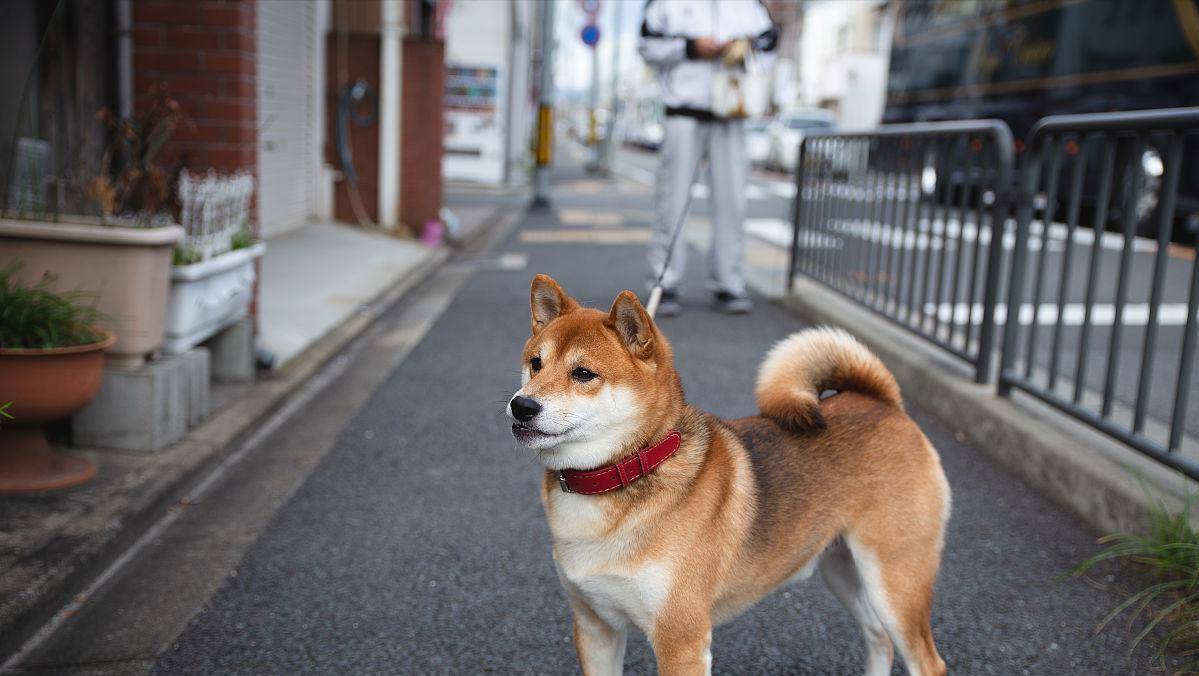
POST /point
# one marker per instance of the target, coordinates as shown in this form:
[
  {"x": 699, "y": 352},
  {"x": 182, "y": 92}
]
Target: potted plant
[
  {"x": 51, "y": 360},
  {"x": 125, "y": 250},
  {"x": 212, "y": 280}
]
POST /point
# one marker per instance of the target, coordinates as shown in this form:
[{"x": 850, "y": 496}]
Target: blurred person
[{"x": 687, "y": 42}]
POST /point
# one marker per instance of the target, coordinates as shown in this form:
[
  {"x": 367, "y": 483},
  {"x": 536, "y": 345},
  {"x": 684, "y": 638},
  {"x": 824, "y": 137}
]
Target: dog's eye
[
  {"x": 581, "y": 374},
  {"x": 535, "y": 364}
]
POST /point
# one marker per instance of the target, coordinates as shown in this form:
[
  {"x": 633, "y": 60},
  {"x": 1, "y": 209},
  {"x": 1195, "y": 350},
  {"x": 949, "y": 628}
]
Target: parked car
[
  {"x": 758, "y": 141},
  {"x": 788, "y": 130}
]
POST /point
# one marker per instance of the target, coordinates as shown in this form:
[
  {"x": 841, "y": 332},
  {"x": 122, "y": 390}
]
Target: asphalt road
[{"x": 417, "y": 544}]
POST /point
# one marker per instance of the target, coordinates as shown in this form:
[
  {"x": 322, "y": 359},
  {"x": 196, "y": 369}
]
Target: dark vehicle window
[{"x": 800, "y": 123}]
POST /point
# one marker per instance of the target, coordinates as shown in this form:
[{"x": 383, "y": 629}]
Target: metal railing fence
[
  {"x": 1085, "y": 308},
  {"x": 900, "y": 219}
]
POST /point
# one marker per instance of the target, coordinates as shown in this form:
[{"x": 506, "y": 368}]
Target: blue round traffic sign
[{"x": 590, "y": 34}]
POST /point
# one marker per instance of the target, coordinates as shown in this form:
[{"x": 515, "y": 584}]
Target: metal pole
[
  {"x": 596, "y": 151},
  {"x": 545, "y": 106},
  {"x": 608, "y": 148}
]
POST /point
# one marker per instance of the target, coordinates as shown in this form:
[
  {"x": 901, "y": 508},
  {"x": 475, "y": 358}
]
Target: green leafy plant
[
  {"x": 1167, "y": 555},
  {"x": 34, "y": 317},
  {"x": 242, "y": 239},
  {"x": 185, "y": 255},
  {"x": 4, "y": 411}
]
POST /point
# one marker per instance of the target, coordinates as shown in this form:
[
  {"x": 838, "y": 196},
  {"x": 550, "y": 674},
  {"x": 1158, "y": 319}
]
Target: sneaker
[
  {"x": 668, "y": 305},
  {"x": 732, "y": 304}
]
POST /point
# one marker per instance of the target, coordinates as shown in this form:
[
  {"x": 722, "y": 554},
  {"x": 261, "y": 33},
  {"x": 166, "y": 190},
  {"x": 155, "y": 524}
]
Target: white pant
[{"x": 689, "y": 141}]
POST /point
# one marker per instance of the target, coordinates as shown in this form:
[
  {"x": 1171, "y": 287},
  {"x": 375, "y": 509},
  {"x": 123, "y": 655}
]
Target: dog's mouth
[{"x": 526, "y": 434}]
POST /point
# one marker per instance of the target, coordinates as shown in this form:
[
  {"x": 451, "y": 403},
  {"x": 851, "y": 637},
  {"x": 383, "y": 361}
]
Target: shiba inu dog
[{"x": 670, "y": 520}]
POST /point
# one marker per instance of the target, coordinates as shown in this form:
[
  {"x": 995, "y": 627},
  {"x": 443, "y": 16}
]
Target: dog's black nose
[{"x": 524, "y": 408}]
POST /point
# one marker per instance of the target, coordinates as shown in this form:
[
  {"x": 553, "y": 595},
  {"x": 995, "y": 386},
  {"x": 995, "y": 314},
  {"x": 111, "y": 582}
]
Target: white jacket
[{"x": 669, "y": 30}]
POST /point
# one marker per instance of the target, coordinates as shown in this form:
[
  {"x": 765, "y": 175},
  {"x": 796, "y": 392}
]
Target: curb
[
  {"x": 171, "y": 472},
  {"x": 1105, "y": 483}
]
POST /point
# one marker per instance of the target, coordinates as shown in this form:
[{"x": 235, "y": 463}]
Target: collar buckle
[{"x": 562, "y": 483}]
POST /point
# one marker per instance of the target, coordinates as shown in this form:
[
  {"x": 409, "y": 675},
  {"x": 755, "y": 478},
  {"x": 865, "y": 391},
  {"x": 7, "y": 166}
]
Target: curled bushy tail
[{"x": 801, "y": 366}]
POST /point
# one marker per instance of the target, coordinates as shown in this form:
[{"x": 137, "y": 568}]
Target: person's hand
[
  {"x": 707, "y": 48},
  {"x": 734, "y": 52}
]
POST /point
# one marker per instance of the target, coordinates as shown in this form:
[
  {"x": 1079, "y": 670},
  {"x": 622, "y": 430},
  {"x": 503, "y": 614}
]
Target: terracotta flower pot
[{"x": 44, "y": 386}]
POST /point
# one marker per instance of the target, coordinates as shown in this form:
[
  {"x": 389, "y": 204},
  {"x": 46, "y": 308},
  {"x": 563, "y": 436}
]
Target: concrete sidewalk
[{"x": 316, "y": 276}]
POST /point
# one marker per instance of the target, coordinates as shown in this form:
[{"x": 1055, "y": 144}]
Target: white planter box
[{"x": 209, "y": 296}]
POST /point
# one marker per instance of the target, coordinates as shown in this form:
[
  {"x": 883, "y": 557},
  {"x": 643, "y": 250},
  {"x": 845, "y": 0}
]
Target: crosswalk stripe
[
  {"x": 780, "y": 189},
  {"x": 753, "y": 191},
  {"x": 1102, "y": 314}
]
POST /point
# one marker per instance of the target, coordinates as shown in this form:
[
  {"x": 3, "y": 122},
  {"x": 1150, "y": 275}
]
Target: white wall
[
  {"x": 859, "y": 83},
  {"x": 291, "y": 171},
  {"x": 844, "y": 61}
]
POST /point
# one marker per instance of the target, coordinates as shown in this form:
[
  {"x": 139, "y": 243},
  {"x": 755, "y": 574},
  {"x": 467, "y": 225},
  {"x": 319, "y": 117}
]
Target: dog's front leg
[
  {"x": 684, "y": 648},
  {"x": 600, "y": 645}
]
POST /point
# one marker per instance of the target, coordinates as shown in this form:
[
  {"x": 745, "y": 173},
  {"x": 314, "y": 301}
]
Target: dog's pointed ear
[
  {"x": 633, "y": 324},
  {"x": 547, "y": 302}
]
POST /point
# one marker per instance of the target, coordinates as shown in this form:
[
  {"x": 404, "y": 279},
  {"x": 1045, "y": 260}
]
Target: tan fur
[
  {"x": 802, "y": 366},
  {"x": 744, "y": 505}
]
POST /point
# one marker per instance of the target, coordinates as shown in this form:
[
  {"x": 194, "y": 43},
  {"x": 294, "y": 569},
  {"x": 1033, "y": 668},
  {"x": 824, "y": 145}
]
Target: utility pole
[
  {"x": 591, "y": 36},
  {"x": 545, "y": 107},
  {"x": 609, "y": 147},
  {"x": 593, "y": 126}
]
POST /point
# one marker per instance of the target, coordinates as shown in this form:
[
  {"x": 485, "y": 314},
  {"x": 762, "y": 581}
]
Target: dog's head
[{"x": 594, "y": 384}]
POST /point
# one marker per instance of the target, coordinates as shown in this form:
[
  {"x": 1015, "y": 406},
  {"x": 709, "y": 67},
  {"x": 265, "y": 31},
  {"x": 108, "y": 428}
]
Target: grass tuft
[
  {"x": 34, "y": 317},
  {"x": 242, "y": 239},
  {"x": 1168, "y": 605}
]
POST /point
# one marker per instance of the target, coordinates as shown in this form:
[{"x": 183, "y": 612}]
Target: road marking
[
  {"x": 927, "y": 234},
  {"x": 595, "y": 236},
  {"x": 774, "y": 231},
  {"x": 753, "y": 191},
  {"x": 512, "y": 260},
  {"x": 1102, "y": 314},
  {"x": 781, "y": 189},
  {"x": 638, "y": 174},
  {"x": 611, "y": 219},
  {"x": 587, "y": 186}
]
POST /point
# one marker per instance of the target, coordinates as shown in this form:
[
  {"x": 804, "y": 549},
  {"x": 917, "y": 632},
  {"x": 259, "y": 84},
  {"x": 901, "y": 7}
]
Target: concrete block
[
  {"x": 198, "y": 378},
  {"x": 148, "y": 407},
  {"x": 232, "y": 353}
]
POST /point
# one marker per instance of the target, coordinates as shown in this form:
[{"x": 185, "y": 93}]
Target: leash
[{"x": 655, "y": 294}]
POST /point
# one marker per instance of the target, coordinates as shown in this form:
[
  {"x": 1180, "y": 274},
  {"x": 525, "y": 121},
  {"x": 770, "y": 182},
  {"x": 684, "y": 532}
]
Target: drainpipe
[
  {"x": 124, "y": 9},
  {"x": 390, "y": 82},
  {"x": 516, "y": 36}
]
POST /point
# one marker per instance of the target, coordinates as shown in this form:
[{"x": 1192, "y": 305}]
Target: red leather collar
[{"x": 624, "y": 472}]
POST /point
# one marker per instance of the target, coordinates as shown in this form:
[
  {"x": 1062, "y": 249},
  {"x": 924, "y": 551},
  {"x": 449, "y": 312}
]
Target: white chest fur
[{"x": 606, "y": 570}]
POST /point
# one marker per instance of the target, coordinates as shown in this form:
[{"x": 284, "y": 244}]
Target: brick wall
[
  {"x": 421, "y": 135},
  {"x": 206, "y": 53}
]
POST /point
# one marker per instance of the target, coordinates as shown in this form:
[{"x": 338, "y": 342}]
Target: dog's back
[{"x": 847, "y": 484}]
